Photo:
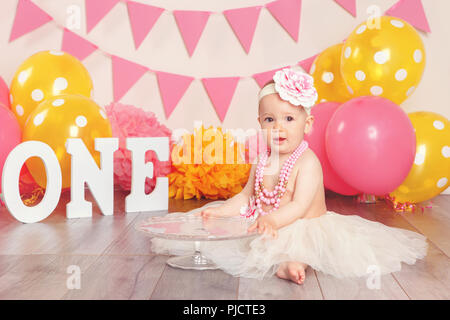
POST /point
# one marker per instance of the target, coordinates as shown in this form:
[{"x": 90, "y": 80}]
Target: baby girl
[{"x": 285, "y": 197}]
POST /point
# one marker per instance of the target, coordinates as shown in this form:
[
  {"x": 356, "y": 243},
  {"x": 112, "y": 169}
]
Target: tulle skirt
[{"x": 335, "y": 244}]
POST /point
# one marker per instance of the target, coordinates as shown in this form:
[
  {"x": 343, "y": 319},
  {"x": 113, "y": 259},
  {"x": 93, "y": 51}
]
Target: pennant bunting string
[{"x": 172, "y": 87}]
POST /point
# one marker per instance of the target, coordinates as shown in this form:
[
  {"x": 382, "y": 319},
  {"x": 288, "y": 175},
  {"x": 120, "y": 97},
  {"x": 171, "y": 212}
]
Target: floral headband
[{"x": 294, "y": 86}]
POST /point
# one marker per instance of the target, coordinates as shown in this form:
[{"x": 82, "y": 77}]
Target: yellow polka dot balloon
[
  {"x": 326, "y": 72},
  {"x": 44, "y": 75},
  {"x": 430, "y": 173},
  {"x": 385, "y": 60},
  {"x": 59, "y": 118}
]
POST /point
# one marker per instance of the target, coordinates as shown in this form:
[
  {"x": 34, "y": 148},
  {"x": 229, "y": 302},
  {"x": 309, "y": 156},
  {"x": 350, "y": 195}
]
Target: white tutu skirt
[{"x": 335, "y": 244}]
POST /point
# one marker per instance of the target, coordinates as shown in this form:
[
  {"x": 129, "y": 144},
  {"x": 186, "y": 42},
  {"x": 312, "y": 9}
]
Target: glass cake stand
[{"x": 186, "y": 227}]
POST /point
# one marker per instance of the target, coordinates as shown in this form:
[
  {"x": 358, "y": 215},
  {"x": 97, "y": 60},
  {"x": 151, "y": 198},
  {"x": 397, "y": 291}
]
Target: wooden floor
[{"x": 116, "y": 262}]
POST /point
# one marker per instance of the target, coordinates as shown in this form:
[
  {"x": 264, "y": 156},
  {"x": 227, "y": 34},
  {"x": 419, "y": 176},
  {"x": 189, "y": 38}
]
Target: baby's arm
[
  {"x": 308, "y": 179},
  {"x": 232, "y": 206}
]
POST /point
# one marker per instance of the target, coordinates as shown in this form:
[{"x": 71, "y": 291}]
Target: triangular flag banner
[
  {"x": 96, "y": 10},
  {"x": 28, "y": 18},
  {"x": 76, "y": 45},
  {"x": 264, "y": 77},
  {"x": 243, "y": 22},
  {"x": 172, "y": 87},
  {"x": 307, "y": 63},
  {"x": 221, "y": 91},
  {"x": 287, "y": 13},
  {"x": 412, "y": 12},
  {"x": 125, "y": 75},
  {"x": 142, "y": 19},
  {"x": 191, "y": 25},
  {"x": 349, "y": 5}
]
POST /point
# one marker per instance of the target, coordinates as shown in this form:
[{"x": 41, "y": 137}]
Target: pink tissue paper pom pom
[{"x": 130, "y": 121}]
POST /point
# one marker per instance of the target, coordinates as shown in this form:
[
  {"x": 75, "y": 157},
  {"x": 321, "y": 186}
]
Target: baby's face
[{"x": 283, "y": 123}]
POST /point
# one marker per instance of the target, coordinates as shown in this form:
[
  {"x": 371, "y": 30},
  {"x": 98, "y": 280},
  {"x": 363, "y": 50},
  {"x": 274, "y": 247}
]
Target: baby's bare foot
[{"x": 292, "y": 270}]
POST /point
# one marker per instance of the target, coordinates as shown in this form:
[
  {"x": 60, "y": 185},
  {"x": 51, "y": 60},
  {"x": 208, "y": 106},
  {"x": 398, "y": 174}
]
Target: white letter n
[{"x": 85, "y": 170}]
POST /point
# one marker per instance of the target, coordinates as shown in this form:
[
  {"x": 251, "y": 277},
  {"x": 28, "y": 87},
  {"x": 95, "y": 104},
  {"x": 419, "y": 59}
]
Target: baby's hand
[
  {"x": 211, "y": 212},
  {"x": 265, "y": 224}
]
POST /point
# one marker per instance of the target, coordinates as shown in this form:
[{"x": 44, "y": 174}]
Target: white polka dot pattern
[
  {"x": 37, "y": 95},
  {"x": 376, "y": 90},
  {"x": 327, "y": 77},
  {"x": 81, "y": 121},
  {"x": 39, "y": 119}
]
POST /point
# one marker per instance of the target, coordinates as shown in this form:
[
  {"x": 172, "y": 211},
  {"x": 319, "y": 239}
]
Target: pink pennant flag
[
  {"x": 412, "y": 12},
  {"x": 349, "y": 5},
  {"x": 172, "y": 87},
  {"x": 191, "y": 25},
  {"x": 264, "y": 77},
  {"x": 125, "y": 75},
  {"x": 76, "y": 45},
  {"x": 221, "y": 91},
  {"x": 243, "y": 22},
  {"x": 142, "y": 19},
  {"x": 307, "y": 63},
  {"x": 287, "y": 13},
  {"x": 96, "y": 10},
  {"x": 28, "y": 18}
]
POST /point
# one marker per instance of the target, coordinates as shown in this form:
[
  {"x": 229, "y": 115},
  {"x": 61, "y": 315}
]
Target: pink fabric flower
[
  {"x": 296, "y": 87},
  {"x": 129, "y": 121}
]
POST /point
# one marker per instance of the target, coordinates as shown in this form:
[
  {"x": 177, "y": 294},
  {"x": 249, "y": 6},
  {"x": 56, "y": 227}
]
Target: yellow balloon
[
  {"x": 44, "y": 75},
  {"x": 60, "y": 118},
  {"x": 384, "y": 60},
  {"x": 327, "y": 76},
  {"x": 430, "y": 173}
]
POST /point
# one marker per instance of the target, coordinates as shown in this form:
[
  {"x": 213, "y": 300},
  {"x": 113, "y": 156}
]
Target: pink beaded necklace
[{"x": 273, "y": 198}]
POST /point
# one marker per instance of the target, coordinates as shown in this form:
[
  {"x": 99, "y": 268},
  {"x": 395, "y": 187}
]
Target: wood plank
[
  {"x": 274, "y": 288},
  {"x": 433, "y": 222},
  {"x": 120, "y": 277},
  {"x": 18, "y": 238},
  {"x": 176, "y": 284},
  {"x": 131, "y": 241},
  {"x": 40, "y": 276},
  {"x": 428, "y": 279},
  {"x": 92, "y": 235},
  {"x": 57, "y": 234},
  {"x": 357, "y": 288},
  {"x": 7, "y": 262}
]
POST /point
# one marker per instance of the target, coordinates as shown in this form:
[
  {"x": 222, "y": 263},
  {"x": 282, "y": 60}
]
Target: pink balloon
[
  {"x": 10, "y": 135},
  {"x": 371, "y": 144},
  {"x": 316, "y": 138},
  {"x": 4, "y": 93}
]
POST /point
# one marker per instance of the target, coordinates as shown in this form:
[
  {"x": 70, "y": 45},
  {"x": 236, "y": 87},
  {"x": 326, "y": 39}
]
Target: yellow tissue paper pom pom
[{"x": 208, "y": 164}]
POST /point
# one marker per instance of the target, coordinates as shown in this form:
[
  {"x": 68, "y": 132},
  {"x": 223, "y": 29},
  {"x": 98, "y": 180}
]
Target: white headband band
[{"x": 270, "y": 89}]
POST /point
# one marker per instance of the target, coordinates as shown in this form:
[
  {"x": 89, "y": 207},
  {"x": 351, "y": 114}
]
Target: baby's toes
[
  {"x": 294, "y": 274},
  {"x": 297, "y": 273},
  {"x": 301, "y": 276}
]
